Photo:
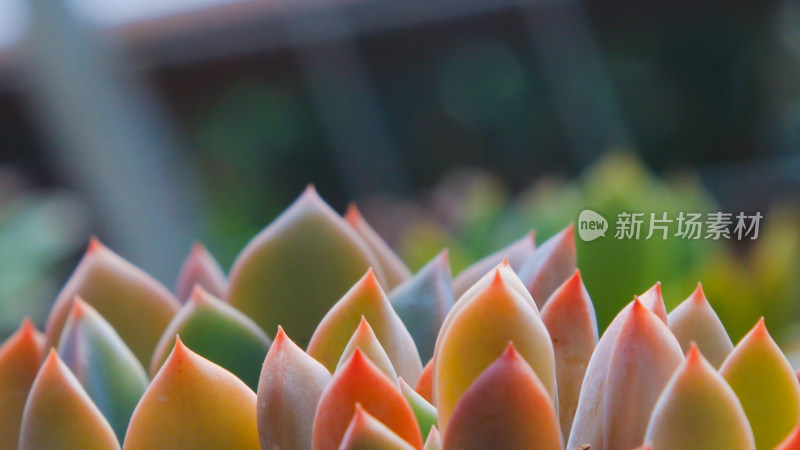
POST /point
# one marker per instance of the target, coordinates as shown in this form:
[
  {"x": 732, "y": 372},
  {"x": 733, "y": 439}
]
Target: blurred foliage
[
  {"x": 40, "y": 233},
  {"x": 473, "y": 213}
]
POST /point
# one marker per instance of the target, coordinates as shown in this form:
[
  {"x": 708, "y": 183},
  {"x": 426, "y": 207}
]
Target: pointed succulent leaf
[
  {"x": 423, "y": 410},
  {"x": 393, "y": 267},
  {"x": 20, "y": 358},
  {"x": 194, "y": 403},
  {"x": 364, "y": 339},
  {"x": 434, "y": 441},
  {"x": 517, "y": 253},
  {"x": 653, "y": 300},
  {"x": 570, "y": 319},
  {"x": 698, "y": 410},
  {"x": 511, "y": 280},
  {"x": 506, "y": 407},
  {"x": 360, "y": 381},
  {"x": 549, "y": 265},
  {"x": 218, "y": 332},
  {"x": 137, "y": 306},
  {"x": 202, "y": 269},
  {"x": 642, "y": 362},
  {"x": 587, "y": 426},
  {"x": 766, "y": 385},
  {"x": 695, "y": 321},
  {"x": 105, "y": 367},
  {"x": 292, "y": 272},
  {"x": 60, "y": 414},
  {"x": 366, "y": 298},
  {"x": 424, "y": 385},
  {"x": 423, "y": 302},
  {"x": 482, "y": 329},
  {"x": 368, "y": 433},
  {"x": 792, "y": 441},
  {"x": 288, "y": 392}
]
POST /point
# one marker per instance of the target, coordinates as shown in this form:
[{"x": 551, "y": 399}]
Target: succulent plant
[{"x": 513, "y": 357}]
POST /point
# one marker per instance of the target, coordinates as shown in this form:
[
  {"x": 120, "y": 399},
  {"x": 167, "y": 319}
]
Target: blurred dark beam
[{"x": 110, "y": 139}]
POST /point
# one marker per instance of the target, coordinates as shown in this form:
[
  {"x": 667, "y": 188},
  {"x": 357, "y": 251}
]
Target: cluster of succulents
[{"x": 367, "y": 355}]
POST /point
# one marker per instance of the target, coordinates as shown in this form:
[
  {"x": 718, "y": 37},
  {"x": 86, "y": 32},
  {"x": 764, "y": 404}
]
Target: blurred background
[{"x": 452, "y": 124}]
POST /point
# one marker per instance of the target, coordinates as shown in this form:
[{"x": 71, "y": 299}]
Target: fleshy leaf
[
  {"x": 393, "y": 267},
  {"x": 695, "y": 321},
  {"x": 434, "y": 441},
  {"x": 644, "y": 358},
  {"x": 698, "y": 410},
  {"x": 423, "y": 302},
  {"x": 20, "y": 358},
  {"x": 570, "y": 320},
  {"x": 288, "y": 392},
  {"x": 766, "y": 385},
  {"x": 194, "y": 403},
  {"x": 364, "y": 339},
  {"x": 423, "y": 410},
  {"x": 60, "y": 414},
  {"x": 509, "y": 277},
  {"x": 549, "y": 265},
  {"x": 218, "y": 332},
  {"x": 368, "y": 433},
  {"x": 792, "y": 441},
  {"x": 360, "y": 381},
  {"x": 517, "y": 253},
  {"x": 366, "y": 298},
  {"x": 482, "y": 328},
  {"x": 588, "y": 427},
  {"x": 292, "y": 272},
  {"x": 424, "y": 385},
  {"x": 105, "y": 367},
  {"x": 202, "y": 269},
  {"x": 654, "y": 301},
  {"x": 507, "y": 407},
  {"x": 136, "y": 305}
]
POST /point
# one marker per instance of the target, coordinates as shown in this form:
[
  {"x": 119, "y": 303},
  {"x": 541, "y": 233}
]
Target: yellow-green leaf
[
  {"x": 136, "y": 305},
  {"x": 194, "y": 404},
  {"x": 218, "y": 332},
  {"x": 292, "y": 272},
  {"x": 481, "y": 328},
  {"x": 366, "y": 298},
  {"x": 766, "y": 385},
  {"x": 698, "y": 411},
  {"x": 60, "y": 415}
]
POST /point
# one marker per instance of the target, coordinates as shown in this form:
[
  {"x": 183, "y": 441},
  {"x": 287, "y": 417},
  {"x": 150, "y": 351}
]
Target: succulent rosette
[{"x": 321, "y": 338}]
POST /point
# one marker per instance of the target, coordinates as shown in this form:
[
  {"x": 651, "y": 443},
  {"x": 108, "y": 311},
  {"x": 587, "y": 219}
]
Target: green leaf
[
  {"x": 218, "y": 332},
  {"x": 424, "y": 411},
  {"x": 292, "y": 272},
  {"x": 105, "y": 367},
  {"x": 766, "y": 385}
]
